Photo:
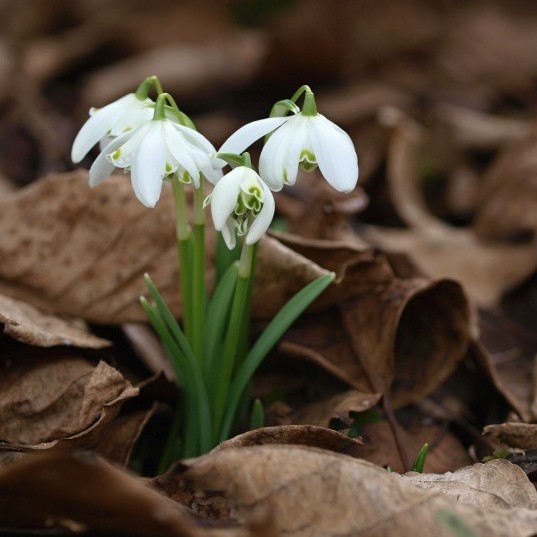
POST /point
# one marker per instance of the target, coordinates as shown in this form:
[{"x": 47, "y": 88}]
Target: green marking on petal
[
  {"x": 116, "y": 154},
  {"x": 184, "y": 176},
  {"x": 168, "y": 168},
  {"x": 308, "y": 162}
]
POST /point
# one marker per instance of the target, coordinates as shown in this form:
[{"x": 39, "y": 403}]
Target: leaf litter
[{"x": 427, "y": 336}]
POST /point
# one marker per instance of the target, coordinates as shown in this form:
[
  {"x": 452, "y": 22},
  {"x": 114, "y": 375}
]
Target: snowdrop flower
[
  {"x": 305, "y": 138},
  {"x": 123, "y": 115},
  {"x": 241, "y": 201},
  {"x": 157, "y": 149}
]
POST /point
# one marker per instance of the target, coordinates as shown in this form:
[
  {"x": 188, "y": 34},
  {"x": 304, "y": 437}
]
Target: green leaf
[
  {"x": 419, "y": 461},
  {"x": 257, "y": 418},
  {"x": 270, "y": 336},
  {"x": 225, "y": 257},
  {"x": 218, "y": 314}
]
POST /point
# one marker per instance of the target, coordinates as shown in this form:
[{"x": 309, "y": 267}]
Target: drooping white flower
[
  {"x": 114, "y": 119},
  {"x": 241, "y": 202},
  {"x": 306, "y": 140},
  {"x": 155, "y": 150}
]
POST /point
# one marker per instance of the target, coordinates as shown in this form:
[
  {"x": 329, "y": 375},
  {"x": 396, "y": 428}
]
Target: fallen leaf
[
  {"x": 513, "y": 435},
  {"x": 315, "y": 492},
  {"x": 28, "y": 325},
  {"x": 498, "y": 484},
  {"x": 58, "y": 490},
  {"x": 46, "y": 400},
  {"x": 307, "y": 435}
]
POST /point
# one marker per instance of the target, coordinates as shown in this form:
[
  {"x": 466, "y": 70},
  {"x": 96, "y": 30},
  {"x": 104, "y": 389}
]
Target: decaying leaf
[
  {"x": 307, "y": 435},
  {"x": 45, "y": 400},
  {"x": 28, "y": 325},
  {"x": 497, "y": 484},
  {"x": 318, "y": 493},
  {"x": 513, "y": 435}
]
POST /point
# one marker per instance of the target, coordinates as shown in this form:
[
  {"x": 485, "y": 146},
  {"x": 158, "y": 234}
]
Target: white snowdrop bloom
[
  {"x": 308, "y": 140},
  {"x": 241, "y": 202},
  {"x": 114, "y": 119},
  {"x": 155, "y": 150}
]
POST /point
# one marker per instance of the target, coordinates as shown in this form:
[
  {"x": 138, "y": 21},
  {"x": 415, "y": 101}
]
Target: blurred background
[{"x": 439, "y": 98}]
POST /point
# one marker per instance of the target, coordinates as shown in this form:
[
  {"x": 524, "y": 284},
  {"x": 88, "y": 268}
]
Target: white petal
[
  {"x": 195, "y": 138},
  {"x": 179, "y": 149},
  {"x": 135, "y": 114},
  {"x": 228, "y": 233},
  {"x": 278, "y": 164},
  {"x": 102, "y": 167},
  {"x": 224, "y": 196},
  {"x": 96, "y": 127},
  {"x": 262, "y": 221},
  {"x": 247, "y": 135},
  {"x": 335, "y": 154},
  {"x": 149, "y": 166}
]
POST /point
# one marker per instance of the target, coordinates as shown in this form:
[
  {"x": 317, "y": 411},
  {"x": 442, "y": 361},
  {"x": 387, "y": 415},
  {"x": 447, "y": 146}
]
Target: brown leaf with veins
[
  {"x": 498, "y": 484},
  {"x": 83, "y": 252},
  {"x": 28, "y": 325},
  {"x": 46, "y": 400},
  {"x": 306, "y": 435},
  {"x": 513, "y": 435},
  {"x": 84, "y": 491},
  {"x": 314, "y": 493},
  {"x": 401, "y": 335}
]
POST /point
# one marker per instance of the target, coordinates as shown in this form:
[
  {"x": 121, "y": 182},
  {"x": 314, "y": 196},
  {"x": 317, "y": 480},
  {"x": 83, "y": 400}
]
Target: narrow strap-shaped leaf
[
  {"x": 218, "y": 314},
  {"x": 270, "y": 336}
]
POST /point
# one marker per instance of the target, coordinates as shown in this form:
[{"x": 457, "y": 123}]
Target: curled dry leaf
[
  {"x": 387, "y": 333},
  {"x": 28, "y": 325},
  {"x": 44, "y": 401},
  {"x": 486, "y": 270},
  {"x": 319, "y": 493},
  {"x": 513, "y": 435},
  {"x": 62, "y": 490},
  {"x": 307, "y": 435},
  {"x": 498, "y": 484}
]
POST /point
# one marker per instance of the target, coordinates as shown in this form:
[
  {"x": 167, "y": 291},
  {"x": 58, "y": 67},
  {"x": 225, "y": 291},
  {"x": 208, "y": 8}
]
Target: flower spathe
[
  {"x": 299, "y": 139},
  {"x": 114, "y": 119},
  {"x": 157, "y": 149},
  {"x": 241, "y": 202}
]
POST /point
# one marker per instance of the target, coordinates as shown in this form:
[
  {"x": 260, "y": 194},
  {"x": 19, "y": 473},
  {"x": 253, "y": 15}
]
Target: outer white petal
[
  {"x": 102, "y": 167},
  {"x": 195, "y": 138},
  {"x": 224, "y": 196},
  {"x": 278, "y": 164},
  {"x": 149, "y": 165},
  {"x": 127, "y": 150},
  {"x": 251, "y": 132},
  {"x": 96, "y": 127},
  {"x": 262, "y": 221},
  {"x": 135, "y": 114},
  {"x": 179, "y": 149},
  {"x": 335, "y": 154},
  {"x": 228, "y": 232}
]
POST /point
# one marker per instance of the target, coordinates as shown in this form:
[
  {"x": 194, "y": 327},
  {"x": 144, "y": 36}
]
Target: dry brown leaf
[
  {"x": 82, "y": 490},
  {"x": 486, "y": 270},
  {"x": 306, "y": 435},
  {"x": 83, "y": 252},
  {"x": 498, "y": 484},
  {"x": 513, "y": 435},
  {"x": 379, "y": 447},
  {"x": 47, "y": 400},
  {"x": 319, "y": 493},
  {"x": 28, "y": 325},
  {"x": 403, "y": 335}
]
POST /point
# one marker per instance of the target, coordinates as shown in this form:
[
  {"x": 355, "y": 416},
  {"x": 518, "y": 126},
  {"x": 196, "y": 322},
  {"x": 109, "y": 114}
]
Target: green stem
[
  {"x": 184, "y": 249},
  {"x": 299, "y": 92},
  {"x": 233, "y": 335},
  {"x": 143, "y": 89},
  {"x": 198, "y": 279}
]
